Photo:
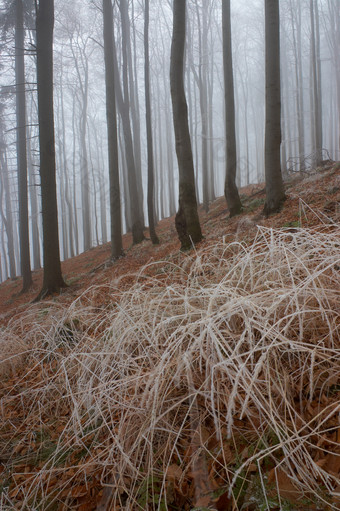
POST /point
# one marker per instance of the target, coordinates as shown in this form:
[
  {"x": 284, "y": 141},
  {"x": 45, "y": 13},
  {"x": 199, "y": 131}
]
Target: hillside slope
[
  {"x": 319, "y": 190},
  {"x": 204, "y": 380}
]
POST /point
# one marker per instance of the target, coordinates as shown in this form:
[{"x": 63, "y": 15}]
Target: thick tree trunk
[
  {"x": 21, "y": 147},
  {"x": 230, "y": 188},
  {"x": 187, "y": 221},
  {"x": 111, "y": 115},
  {"x": 53, "y": 280},
  {"x": 275, "y": 194},
  {"x": 153, "y": 235}
]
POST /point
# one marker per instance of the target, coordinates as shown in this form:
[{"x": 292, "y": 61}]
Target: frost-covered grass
[{"x": 165, "y": 374}]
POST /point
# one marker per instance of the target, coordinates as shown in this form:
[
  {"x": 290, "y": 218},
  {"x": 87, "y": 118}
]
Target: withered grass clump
[{"x": 166, "y": 374}]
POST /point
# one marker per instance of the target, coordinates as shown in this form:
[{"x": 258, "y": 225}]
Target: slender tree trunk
[
  {"x": 187, "y": 221},
  {"x": 153, "y": 235},
  {"x": 316, "y": 91},
  {"x": 275, "y": 194},
  {"x": 34, "y": 209},
  {"x": 134, "y": 100},
  {"x": 7, "y": 218},
  {"x": 53, "y": 280},
  {"x": 201, "y": 80},
  {"x": 124, "y": 109},
  {"x": 21, "y": 146},
  {"x": 230, "y": 188},
  {"x": 75, "y": 218},
  {"x": 111, "y": 115}
]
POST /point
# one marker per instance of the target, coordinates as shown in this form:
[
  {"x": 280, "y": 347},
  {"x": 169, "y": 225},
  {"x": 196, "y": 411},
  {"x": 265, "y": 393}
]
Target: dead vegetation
[{"x": 208, "y": 380}]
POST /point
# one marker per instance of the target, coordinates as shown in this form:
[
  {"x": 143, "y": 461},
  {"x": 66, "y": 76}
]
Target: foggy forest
[
  {"x": 310, "y": 92},
  {"x": 169, "y": 255}
]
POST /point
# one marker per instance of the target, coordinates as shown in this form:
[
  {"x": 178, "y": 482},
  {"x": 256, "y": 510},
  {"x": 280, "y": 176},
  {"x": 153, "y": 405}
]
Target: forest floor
[{"x": 168, "y": 380}]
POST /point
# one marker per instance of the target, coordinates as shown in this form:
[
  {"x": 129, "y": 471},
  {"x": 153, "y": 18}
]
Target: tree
[
  {"x": 150, "y": 199},
  {"x": 53, "y": 280},
  {"x": 316, "y": 102},
  {"x": 230, "y": 188},
  {"x": 187, "y": 221},
  {"x": 275, "y": 194},
  {"x": 111, "y": 115},
  {"x": 123, "y": 103},
  {"x": 21, "y": 146}
]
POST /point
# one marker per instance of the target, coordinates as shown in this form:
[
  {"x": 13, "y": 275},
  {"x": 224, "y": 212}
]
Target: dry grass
[{"x": 159, "y": 393}]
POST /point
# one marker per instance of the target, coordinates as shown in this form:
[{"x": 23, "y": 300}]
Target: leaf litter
[{"x": 207, "y": 380}]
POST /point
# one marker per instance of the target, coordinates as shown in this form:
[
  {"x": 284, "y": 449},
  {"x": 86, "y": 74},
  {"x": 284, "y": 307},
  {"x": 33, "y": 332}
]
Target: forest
[
  {"x": 140, "y": 64},
  {"x": 169, "y": 255}
]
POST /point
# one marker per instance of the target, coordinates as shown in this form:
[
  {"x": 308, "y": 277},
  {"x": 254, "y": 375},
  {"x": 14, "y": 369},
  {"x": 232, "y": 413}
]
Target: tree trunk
[
  {"x": 7, "y": 217},
  {"x": 134, "y": 101},
  {"x": 111, "y": 115},
  {"x": 187, "y": 221},
  {"x": 230, "y": 188},
  {"x": 153, "y": 235},
  {"x": 124, "y": 110},
  {"x": 21, "y": 146},
  {"x": 275, "y": 194},
  {"x": 53, "y": 280},
  {"x": 316, "y": 86}
]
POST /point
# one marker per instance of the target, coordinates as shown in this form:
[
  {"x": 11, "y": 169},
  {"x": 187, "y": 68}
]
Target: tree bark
[
  {"x": 123, "y": 104},
  {"x": 187, "y": 221},
  {"x": 53, "y": 280},
  {"x": 21, "y": 146},
  {"x": 275, "y": 194},
  {"x": 111, "y": 115},
  {"x": 230, "y": 188},
  {"x": 150, "y": 200}
]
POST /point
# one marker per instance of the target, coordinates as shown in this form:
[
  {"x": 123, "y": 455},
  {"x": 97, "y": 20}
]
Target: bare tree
[
  {"x": 123, "y": 103},
  {"x": 187, "y": 221},
  {"x": 53, "y": 280},
  {"x": 111, "y": 115},
  {"x": 21, "y": 146},
  {"x": 230, "y": 188},
  {"x": 316, "y": 102},
  {"x": 153, "y": 235},
  {"x": 275, "y": 194}
]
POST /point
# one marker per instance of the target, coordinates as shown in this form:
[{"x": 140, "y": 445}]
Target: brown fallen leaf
[{"x": 174, "y": 472}]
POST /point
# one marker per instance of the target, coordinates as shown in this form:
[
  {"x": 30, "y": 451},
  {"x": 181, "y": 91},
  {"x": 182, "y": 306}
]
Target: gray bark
[
  {"x": 230, "y": 188},
  {"x": 275, "y": 194},
  {"x": 111, "y": 115},
  {"x": 187, "y": 221}
]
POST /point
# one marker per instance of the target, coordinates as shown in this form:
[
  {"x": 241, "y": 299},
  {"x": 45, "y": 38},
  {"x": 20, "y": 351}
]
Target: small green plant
[
  {"x": 295, "y": 223},
  {"x": 254, "y": 204},
  {"x": 149, "y": 494}
]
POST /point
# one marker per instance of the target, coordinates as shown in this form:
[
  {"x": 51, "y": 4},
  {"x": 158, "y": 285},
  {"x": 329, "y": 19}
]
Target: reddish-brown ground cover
[
  {"x": 319, "y": 191},
  {"x": 309, "y": 200}
]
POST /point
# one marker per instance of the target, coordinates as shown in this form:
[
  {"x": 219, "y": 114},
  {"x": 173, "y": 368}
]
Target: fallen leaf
[{"x": 174, "y": 472}]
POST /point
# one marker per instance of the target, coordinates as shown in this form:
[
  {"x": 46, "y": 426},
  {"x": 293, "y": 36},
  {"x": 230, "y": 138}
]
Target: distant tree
[
  {"x": 230, "y": 188},
  {"x": 315, "y": 91},
  {"x": 12, "y": 16},
  {"x": 6, "y": 216},
  {"x": 21, "y": 145},
  {"x": 111, "y": 115},
  {"x": 153, "y": 235},
  {"x": 275, "y": 194},
  {"x": 123, "y": 103},
  {"x": 53, "y": 280},
  {"x": 129, "y": 36},
  {"x": 187, "y": 221}
]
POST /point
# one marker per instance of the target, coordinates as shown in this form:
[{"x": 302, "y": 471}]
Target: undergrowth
[{"x": 186, "y": 391}]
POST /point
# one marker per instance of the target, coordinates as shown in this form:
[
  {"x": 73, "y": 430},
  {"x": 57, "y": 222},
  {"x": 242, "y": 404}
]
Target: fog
[{"x": 308, "y": 111}]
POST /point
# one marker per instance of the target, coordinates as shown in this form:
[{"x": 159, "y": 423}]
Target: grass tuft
[{"x": 191, "y": 385}]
